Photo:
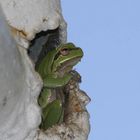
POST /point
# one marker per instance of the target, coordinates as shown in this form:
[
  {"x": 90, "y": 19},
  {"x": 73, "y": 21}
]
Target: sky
[{"x": 108, "y": 31}]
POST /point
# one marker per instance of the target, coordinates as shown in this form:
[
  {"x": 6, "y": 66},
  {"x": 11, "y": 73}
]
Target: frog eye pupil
[{"x": 64, "y": 51}]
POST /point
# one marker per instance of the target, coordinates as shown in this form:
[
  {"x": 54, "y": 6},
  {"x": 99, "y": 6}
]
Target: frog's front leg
[
  {"x": 44, "y": 97},
  {"x": 51, "y": 82}
]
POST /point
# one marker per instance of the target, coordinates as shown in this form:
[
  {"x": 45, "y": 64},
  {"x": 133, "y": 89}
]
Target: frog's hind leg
[{"x": 51, "y": 114}]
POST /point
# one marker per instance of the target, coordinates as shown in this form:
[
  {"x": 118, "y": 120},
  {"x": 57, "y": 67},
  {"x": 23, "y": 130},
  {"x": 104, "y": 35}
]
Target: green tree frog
[{"x": 55, "y": 70}]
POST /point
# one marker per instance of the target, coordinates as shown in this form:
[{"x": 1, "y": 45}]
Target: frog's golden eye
[{"x": 64, "y": 51}]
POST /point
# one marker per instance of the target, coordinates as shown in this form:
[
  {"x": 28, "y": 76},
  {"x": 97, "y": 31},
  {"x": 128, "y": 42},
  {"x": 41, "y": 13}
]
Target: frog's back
[{"x": 45, "y": 66}]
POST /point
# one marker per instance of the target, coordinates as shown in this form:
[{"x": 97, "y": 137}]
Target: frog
[{"x": 56, "y": 70}]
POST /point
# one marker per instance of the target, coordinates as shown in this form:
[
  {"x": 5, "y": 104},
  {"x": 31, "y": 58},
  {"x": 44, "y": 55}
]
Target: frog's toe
[{"x": 76, "y": 76}]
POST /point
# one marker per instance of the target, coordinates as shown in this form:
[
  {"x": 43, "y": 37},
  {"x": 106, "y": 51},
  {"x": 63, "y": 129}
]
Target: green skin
[{"x": 55, "y": 70}]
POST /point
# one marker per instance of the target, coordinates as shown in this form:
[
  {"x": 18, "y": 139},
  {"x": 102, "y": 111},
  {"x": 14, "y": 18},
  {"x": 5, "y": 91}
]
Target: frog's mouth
[{"x": 67, "y": 66}]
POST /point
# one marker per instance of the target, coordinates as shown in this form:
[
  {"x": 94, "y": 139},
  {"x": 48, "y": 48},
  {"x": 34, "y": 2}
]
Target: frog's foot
[
  {"x": 76, "y": 76},
  {"x": 52, "y": 114}
]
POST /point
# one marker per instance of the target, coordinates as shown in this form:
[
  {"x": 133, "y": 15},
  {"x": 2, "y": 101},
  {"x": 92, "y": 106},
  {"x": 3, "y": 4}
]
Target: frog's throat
[{"x": 68, "y": 65}]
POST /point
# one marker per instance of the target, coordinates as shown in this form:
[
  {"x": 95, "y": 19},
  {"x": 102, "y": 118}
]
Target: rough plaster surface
[
  {"x": 19, "y": 88},
  {"x": 29, "y": 17},
  {"x": 20, "y": 85}
]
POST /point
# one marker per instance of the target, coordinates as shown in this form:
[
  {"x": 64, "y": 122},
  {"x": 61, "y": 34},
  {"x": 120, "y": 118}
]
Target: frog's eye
[{"x": 64, "y": 51}]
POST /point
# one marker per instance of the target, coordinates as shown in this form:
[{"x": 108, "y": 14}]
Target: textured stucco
[
  {"x": 33, "y": 16},
  {"x": 19, "y": 89}
]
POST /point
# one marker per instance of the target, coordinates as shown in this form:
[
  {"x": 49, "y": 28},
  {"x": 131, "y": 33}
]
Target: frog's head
[{"x": 67, "y": 55}]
